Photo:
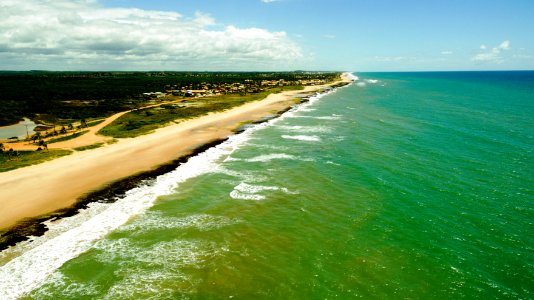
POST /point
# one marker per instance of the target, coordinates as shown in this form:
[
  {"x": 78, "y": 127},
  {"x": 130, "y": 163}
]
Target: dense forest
[{"x": 79, "y": 95}]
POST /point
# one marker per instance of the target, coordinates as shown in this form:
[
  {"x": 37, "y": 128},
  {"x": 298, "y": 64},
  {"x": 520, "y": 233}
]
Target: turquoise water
[{"x": 402, "y": 185}]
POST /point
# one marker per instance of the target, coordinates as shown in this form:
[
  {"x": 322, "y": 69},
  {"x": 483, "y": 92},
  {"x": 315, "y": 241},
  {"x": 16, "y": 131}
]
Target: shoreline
[{"x": 61, "y": 187}]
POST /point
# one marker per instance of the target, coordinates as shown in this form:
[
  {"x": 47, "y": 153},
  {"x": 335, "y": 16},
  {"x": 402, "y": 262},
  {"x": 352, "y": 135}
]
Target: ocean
[{"x": 400, "y": 185}]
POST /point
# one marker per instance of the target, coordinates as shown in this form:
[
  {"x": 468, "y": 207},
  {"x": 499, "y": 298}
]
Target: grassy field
[
  {"x": 67, "y": 137},
  {"x": 144, "y": 121},
  {"x": 89, "y": 147},
  {"x": 138, "y": 122},
  {"x": 11, "y": 161},
  {"x": 95, "y": 122}
]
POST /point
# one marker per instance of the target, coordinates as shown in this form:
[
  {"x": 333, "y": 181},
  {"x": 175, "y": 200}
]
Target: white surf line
[
  {"x": 305, "y": 138},
  {"x": 245, "y": 191},
  {"x": 30, "y": 270},
  {"x": 351, "y": 76},
  {"x": 273, "y": 156}
]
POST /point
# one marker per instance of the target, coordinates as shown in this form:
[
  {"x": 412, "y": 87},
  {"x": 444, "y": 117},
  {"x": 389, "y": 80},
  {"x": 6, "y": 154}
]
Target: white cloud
[
  {"x": 269, "y": 1},
  {"x": 82, "y": 34},
  {"x": 446, "y": 52},
  {"x": 329, "y": 36},
  {"x": 493, "y": 55},
  {"x": 522, "y": 56},
  {"x": 504, "y": 45},
  {"x": 483, "y": 47}
]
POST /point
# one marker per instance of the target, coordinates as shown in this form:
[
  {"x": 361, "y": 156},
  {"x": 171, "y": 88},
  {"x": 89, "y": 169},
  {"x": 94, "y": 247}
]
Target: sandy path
[
  {"x": 90, "y": 137},
  {"x": 46, "y": 187},
  {"x": 86, "y": 139}
]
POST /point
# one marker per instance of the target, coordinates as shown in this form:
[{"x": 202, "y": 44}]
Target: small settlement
[{"x": 249, "y": 86}]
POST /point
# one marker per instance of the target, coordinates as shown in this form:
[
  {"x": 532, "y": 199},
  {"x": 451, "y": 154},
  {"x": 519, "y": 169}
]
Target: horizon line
[{"x": 260, "y": 71}]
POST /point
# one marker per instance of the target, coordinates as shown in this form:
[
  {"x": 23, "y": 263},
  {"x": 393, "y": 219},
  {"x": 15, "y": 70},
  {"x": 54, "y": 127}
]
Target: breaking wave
[{"x": 306, "y": 138}]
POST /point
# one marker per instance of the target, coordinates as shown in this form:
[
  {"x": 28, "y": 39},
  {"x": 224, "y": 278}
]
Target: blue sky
[{"x": 356, "y": 35}]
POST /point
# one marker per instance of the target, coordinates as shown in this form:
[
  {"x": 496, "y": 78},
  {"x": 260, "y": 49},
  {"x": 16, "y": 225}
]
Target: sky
[{"x": 267, "y": 35}]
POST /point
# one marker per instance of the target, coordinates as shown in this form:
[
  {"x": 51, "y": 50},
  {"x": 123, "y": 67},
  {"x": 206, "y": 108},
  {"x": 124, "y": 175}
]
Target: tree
[
  {"x": 63, "y": 130},
  {"x": 36, "y": 136},
  {"x": 2, "y": 147},
  {"x": 11, "y": 153}
]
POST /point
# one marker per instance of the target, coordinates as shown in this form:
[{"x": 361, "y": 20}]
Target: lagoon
[{"x": 19, "y": 130}]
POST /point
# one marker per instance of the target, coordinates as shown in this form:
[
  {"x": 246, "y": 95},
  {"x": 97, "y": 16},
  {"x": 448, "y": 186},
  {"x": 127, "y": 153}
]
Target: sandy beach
[{"x": 40, "y": 189}]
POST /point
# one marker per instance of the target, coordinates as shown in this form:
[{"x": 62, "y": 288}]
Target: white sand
[{"x": 46, "y": 187}]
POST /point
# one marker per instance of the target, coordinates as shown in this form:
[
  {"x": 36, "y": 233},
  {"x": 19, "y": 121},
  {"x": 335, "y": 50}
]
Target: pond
[{"x": 19, "y": 130}]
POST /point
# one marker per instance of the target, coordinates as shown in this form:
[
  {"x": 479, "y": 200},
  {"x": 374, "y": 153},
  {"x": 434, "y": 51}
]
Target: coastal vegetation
[
  {"x": 10, "y": 160},
  {"x": 143, "y": 121},
  {"x": 63, "y": 104},
  {"x": 60, "y": 97},
  {"x": 67, "y": 137},
  {"x": 89, "y": 147}
]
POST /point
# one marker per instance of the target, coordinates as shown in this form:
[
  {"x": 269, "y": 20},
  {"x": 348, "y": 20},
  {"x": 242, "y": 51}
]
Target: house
[{"x": 191, "y": 93}]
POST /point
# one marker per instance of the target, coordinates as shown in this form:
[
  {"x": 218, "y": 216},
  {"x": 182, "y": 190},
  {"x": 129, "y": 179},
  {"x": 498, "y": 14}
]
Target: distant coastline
[{"x": 60, "y": 187}]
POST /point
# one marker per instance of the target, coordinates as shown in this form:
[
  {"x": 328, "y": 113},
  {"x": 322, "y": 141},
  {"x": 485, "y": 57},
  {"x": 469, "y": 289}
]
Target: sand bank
[{"x": 40, "y": 189}]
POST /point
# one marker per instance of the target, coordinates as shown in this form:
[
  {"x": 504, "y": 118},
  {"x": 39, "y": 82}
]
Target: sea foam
[
  {"x": 332, "y": 117},
  {"x": 305, "y": 129},
  {"x": 34, "y": 267},
  {"x": 157, "y": 220},
  {"x": 351, "y": 76},
  {"x": 306, "y": 138},
  {"x": 245, "y": 191},
  {"x": 367, "y": 81},
  {"x": 273, "y": 156},
  {"x": 29, "y": 270},
  {"x": 235, "y": 194}
]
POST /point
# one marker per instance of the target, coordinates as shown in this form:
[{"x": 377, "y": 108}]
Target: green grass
[
  {"x": 144, "y": 121},
  {"x": 289, "y": 88},
  {"x": 21, "y": 159},
  {"x": 88, "y": 147},
  {"x": 67, "y": 137},
  {"x": 95, "y": 122}
]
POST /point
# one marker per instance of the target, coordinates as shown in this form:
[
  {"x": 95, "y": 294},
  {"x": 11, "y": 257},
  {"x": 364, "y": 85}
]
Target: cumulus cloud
[
  {"x": 493, "y": 54},
  {"x": 505, "y": 45},
  {"x": 82, "y": 33}
]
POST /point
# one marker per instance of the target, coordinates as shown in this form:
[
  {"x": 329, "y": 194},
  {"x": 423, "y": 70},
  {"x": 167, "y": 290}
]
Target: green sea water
[{"x": 401, "y": 185}]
